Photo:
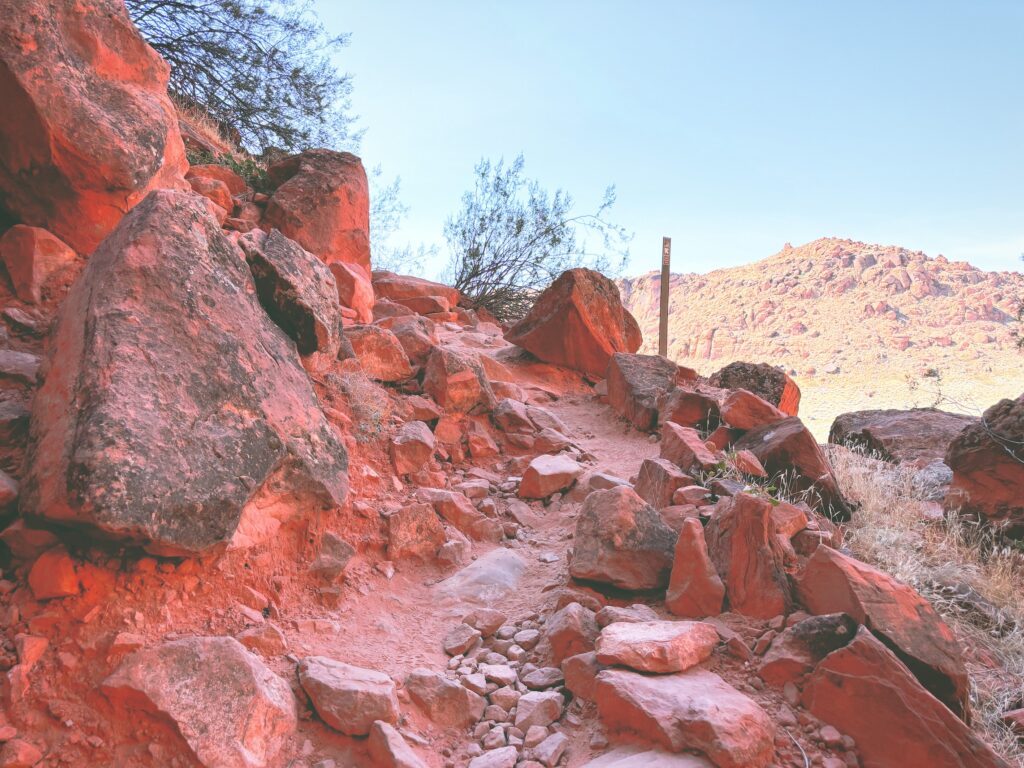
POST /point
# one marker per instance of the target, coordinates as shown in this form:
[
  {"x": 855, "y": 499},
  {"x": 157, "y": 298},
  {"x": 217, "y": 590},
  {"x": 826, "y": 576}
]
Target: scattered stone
[
  {"x": 638, "y": 612},
  {"x": 348, "y": 698},
  {"x": 380, "y": 354},
  {"x": 388, "y": 749},
  {"x": 460, "y": 639},
  {"x": 658, "y": 481},
  {"x": 545, "y": 677},
  {"x": 916, "y": 436},
  {"x": 54, "y": 575},
  {"x": 505, "y": 757},
  {"x": 570, "y": 631},
  {"x": 335, "y": 555},
  {"x": 766, "y": 381},
  {"x": 547, "y": 475},
  {"x": 31, "y": 255},
  {"x": 538, "y": 708},
  {"x": 414, "y": 531},
  {"x": 800, "y": 647},
  {"x": 266, "y": 639},
  {"x": 684, "y": 447},
  {"x": 458, "y": 510},
  {"x": 444, "y": 701},
  {"x": 457, "y": 382},
  {"x": 656, "y": 646},
  {"x": 412, "y": 447},
  {"x": 745, "y": 410}
]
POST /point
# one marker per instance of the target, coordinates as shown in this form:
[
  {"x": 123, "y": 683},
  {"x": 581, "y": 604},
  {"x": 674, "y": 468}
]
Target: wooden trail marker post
[{"x": 666, "y": 255}]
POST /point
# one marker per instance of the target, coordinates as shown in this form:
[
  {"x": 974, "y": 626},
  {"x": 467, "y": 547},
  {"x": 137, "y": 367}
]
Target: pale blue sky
[{"x": 731, "y": 126}]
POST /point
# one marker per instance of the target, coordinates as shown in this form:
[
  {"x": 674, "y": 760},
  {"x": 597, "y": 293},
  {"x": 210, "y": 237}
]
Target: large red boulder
[
  {"x": 198, "y": 402},
  {"x": 380, "y": 353},
  {"x": 987, "y": 459},
  {"x": 658, "y": 481},
  {"x": 766, "y": 381},
  {"x": 622, "y": 541},
  {"x": 87, "y": 127},
  {"x": 322, "y": 202},
  {"x": 399, "y": 288},
  {"x": 354, "y": 289},
  {"x": 835, "y": 583},
  {"x": 919, "y": 435},
  {"x": 787, "y": 448},
  {"x": 636, "y": 384},
  {"x": 867, "y": 693},
  {"x": 31, "y": 255},
  {"x": 691, "y": 407},
  {"x": 745, "y": 410},
  {"x": 684, "y": 447},
  {"x": 457, "y": 382},
  {"x": 692, "y": 710},
  {"x": 695, "y": 589},
  {"x": 742, "y": 545},
  {"x": 578, "y": 322},
  {"x": 229, "y": 707}
]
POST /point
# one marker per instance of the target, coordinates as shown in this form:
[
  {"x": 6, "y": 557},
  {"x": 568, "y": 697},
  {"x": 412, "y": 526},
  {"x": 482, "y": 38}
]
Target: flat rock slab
[
  {"x": 656, "y": 646},
  {"x": 547, "y": 475},
  {"x": 693, "y": 710},
  {"x": 487, "y": 580}
]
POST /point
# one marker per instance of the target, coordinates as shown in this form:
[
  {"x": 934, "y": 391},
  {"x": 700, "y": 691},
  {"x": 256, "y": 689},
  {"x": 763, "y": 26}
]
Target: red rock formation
[
  {"x": 918, "y": 436},
  {"x": 637, "y": 383},
  {"x": 31, "y": 255},
  {"x": 695, "y": 589},
  {"x": 578, "y": 322},
  {"x": 88, "y": 128},
  {"x": 322, "y": 202}
]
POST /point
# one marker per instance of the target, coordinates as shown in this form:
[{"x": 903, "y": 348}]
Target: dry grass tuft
[
  {"x": 971, "y": 577},
  {"x": 204, "y": 126}
]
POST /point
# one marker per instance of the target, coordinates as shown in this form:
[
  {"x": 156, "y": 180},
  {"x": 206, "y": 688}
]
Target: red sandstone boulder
[
  {"x": 546, "y": 475},
  {"x": 348, "y": 698},
  {"x": 87, "y": 125},
  {"x": 414, "y": 531},
  {"x": 919, "y": 436},
  {"x": 214, "y": 190},
  {"x": 444, "y": 701},
  {"x": 864, "y": 691},
  {"x": 621, "y": 540},
  {"x": 766, "y": 381},
  {"x": 684, "y": 448},
  {"x": 388, "y": 749},
  {"x": 570, "y": 631},
  {"x": 229, "y": 707},
  {"x": 457, "y": 382},
  {"x": 577, "y": 322},
  {"x": 398, "y": 288},
  {"x": 296, "y": 290},
  {"x": 412, "y": 447},
  {"x": 416, "y": 335},
  {"x": 636, "y": 384},
  {"x": 658, "y": 481},
  {"x": 198, "y": 401},
  {"x": 987, "y": 460},
  {"x": 354, "y": 289},
  {"x": 695, "y": 589},
  {"x": 835, "y": 583},
  {"x": 322, "y": 202},
  {"x": 31, "y": 255},
  {"x": 745, "y": 410},
  {"x": 236, "y": 184},
  {"x": 656, "y": 646},
  {"x": 695, "y": 710},
  {"x": 458, "y": 510},
  {"x": 788, "y": 447},
  {"x": 741, "y": 544},
  {"x": 797, "y": 650},
  {"x": 380, "y": 354},
  {"x": 690, "y": 408}
]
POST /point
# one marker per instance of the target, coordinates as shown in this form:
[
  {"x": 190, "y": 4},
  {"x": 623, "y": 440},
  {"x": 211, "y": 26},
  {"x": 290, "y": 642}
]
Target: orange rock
[
  {"x": 695, "y": 589},
  {"x": 866, "y": 692},
  {"x": 54, "y": 575},
  {"x": 236, "y": 184},
  {"x": 88, "y": 128},
  {"x": 397, "y": 288},
  {"x": 794, "y": 652},
  {"x": 744, "y": 410},
  {"x": 570, "y": 631},
  {"x": 547, "y": 475},
  {"x": 380, "y": 353},
  {"x": 690, "y": 408},
  {"x": 764, "y": 380},
  {"x": 636, "y": 383},
  {"x": 656, "y": 646},
  {"x": 354, "y": 290},
  {"x": 412, "y": 447},
  {"x": 684, "y": 448},
  {"x": 31, "y": 255},
  {"x": 918, "y": 435},
  {"x": 835, "y": 583},
  {"x": 214, "y": 190},
  {"x": 658, "y": 481},
  {"x": 457, "y": 382},
  {"x": 747, "y": 463},
  {"x": 577, "y": 322},
  {"x": 322, "y": 202},
  {"x": 788, "y": 447},
  {"x": 460, "y": 512},
  {"x": 742, "y": 546}
]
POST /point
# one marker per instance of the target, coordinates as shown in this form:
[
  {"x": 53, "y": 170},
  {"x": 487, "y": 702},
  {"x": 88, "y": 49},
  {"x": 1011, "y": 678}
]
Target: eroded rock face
[
  {"x": 578, "y": 322},
  {"x": 919, "y": 435},
  {"x": 695, "y": 709},
  {"x": 987, "y": 460},
  {"x": 88, "y": 128},
  {"x": 764, "y": 380},
  {"x": 322, "y": 202},
  {"x": 232, "y": 710},
  {"x": 621, "y": 540},
  {"x": 834, "y": 583},
  {"x": 31, "y": 255},
  {"x": 788, "y": 447},
  {"x": 866, "y": 692},
  {"x": 197, "y": 401}
]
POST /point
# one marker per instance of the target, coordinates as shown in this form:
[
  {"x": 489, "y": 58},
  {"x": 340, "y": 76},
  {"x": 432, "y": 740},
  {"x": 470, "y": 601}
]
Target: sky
[{"x": 732, "y": 127}]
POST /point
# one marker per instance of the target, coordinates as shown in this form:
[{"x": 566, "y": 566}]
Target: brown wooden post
[{"x": 666, "y": 254}]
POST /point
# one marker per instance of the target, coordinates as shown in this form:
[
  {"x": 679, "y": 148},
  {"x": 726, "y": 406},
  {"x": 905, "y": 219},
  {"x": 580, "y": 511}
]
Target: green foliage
[
  {"x": 261, "y": 70},
  {"x": 511, "y": 239}
]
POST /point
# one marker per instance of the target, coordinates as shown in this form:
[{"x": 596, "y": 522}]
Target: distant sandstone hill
[{"x": 858, "y": 325}]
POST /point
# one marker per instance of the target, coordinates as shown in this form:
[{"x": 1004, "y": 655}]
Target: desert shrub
[
  {"x": 369, "y": 405},
  {"x": 252, "y": 170},
  {"x": 261, "y": 70},
  {"x": 511, "y": 239}
]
